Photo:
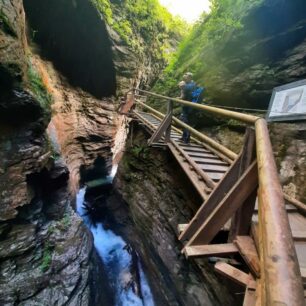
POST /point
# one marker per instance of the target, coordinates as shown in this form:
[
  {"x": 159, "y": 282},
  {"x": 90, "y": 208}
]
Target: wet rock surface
[
  {"x": 46, "y": 257},
  {"x": 46, "y": 253},
  {"x": 289, "y": 146},
  {"x": 82, "y": 128}
]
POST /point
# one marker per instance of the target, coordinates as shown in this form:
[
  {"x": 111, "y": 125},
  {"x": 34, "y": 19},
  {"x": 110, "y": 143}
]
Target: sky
[{"x": 190, "y": 10}]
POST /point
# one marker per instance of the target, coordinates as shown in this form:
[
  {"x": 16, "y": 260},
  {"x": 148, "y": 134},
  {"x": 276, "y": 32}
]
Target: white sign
[{"x": 288, "y": 102}]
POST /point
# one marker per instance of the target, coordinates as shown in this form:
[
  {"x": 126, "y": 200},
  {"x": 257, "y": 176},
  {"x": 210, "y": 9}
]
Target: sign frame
[{"x": 285, "y": 117}]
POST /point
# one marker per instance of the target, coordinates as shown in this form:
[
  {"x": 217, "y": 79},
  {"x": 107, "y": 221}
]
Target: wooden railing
[{"x": 281, "y": 282}]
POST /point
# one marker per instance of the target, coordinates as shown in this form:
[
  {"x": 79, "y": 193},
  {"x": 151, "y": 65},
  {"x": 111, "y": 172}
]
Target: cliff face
[
  {"x": 46, "y": 253},
  {"x": 242, "y": 50}
]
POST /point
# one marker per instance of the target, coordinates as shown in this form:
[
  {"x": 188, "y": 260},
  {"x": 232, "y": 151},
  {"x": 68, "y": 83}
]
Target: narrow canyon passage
[{"x": 90, "y": 214}]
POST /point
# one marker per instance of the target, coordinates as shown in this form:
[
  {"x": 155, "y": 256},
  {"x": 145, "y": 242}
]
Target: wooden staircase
[{"x": 232, "y": 193}]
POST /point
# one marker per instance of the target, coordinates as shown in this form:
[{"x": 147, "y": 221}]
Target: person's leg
[{"x": 186, "y": 133}]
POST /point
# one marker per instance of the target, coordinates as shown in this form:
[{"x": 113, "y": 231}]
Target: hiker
[{"x": 187, "y": 87}]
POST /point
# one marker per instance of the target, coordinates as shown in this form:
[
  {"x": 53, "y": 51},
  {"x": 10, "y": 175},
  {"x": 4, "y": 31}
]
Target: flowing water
[{"x": 118, "y": 260}]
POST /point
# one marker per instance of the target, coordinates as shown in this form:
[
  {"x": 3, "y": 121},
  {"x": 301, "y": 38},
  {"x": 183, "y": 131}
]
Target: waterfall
[{"x": 117, "y": 259}]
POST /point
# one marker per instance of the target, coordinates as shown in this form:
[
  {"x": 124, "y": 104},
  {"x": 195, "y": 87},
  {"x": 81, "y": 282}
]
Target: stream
[{"x": 122, "y": 264}]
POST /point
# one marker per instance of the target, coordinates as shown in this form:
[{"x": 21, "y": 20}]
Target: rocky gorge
[{"x": 64, "y": 66}]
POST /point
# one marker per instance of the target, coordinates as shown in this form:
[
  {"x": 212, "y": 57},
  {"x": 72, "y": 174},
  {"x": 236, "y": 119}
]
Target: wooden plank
[
  {"x": 199, "y": 150},
  {"x": 303, "y": 274},
  {"x": 247, "y": 249},
  {"x": 299, "y": 235},
  {"x": 226, "y": 208},
  {"x": 215, "y": 197},
  {"x": 203, "y": 155},
  {"x": 192, "y": 145},
  {"x": 259, "y": 293},
  {"x": 211, "y": 250},
  {"x": 203, "y": 160},
  {"x": 216, "y": 168},
  {"x": 249, "y": 297},
  {"x": 235, "y": 275},
  {"x": 299, "y": 205},
  {"x": 215, "y": 176},
  {"x": 254, "y": 232}
]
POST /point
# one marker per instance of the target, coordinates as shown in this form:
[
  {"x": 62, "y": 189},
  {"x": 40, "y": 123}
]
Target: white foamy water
[{"x": 117, "y": 260}]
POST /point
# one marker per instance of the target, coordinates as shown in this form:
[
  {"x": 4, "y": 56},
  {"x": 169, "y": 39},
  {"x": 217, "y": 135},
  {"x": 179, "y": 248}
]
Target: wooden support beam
[
  {"x": 226, "y": 208},
  {"x": 163, "y": 128},
  {"x": 249, "y": 297},
  {"x": 299, "y": 205},
  {"x": 235, "y": 275},
  {"x": 211, "y": 250},
  {"x": 215, "y": 197},
  {"x": 241, "y": 221},
  {"x": 247, "y": 249}
]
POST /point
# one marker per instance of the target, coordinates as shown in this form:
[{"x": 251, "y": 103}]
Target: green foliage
[
  {"x": 37, "y": 87},
  {"x": 47, "y": 258},
  {"x": 144, "y": 24},
  {"x": 66, "y": 221},
  {"x": 140, "y": 151},
  {"x": 200, "y": 52}
]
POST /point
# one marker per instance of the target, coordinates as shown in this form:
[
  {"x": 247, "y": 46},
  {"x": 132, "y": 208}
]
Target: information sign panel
[{"x": 288, "y": 102}]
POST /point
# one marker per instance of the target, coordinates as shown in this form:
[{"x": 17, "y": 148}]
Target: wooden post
[
  {"x": 169, "y": 114},
  {"x": 282, "y": 282},
  {"x": 164, "y": 128}
]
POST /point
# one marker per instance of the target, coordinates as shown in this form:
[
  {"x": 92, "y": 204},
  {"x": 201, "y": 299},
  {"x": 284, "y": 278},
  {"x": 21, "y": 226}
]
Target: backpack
[{"x": 197, "y": 95}]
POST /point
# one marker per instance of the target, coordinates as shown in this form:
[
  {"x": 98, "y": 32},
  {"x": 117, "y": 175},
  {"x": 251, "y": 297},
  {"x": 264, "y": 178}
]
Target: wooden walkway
[{"x": 228, "y": 187}]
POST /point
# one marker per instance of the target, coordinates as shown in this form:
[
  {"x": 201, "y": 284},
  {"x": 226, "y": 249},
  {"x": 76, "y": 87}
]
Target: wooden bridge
[{"x": 241, "y": 195}]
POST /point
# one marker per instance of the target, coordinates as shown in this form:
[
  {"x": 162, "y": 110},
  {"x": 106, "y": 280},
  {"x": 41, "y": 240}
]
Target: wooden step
[
  {"x": 210, "y": 250},
  {"x": 210, "y": 156},
  {"x": 197, "y": 150},
  {"x": 202, "y": 160},
  {"x": 192, "y": 145},
  {"x": 215, "y": 176},
  {"x": 213, "y": 168}
]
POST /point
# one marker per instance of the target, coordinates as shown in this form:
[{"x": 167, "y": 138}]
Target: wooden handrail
[
  {"x": 281, "y": 277},
  {"x": 250, "y": 119},
  {"x": 230, "y": 154},
  {"x": 279, "y": 263}
]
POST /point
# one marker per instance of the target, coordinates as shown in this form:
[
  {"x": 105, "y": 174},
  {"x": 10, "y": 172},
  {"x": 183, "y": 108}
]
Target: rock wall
[
  {"x": 46, "y": 253},
  {"x": 158, "y": 199},
  {"x": 289, "y": 145},
  {"x": 82, "y": 128}
]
